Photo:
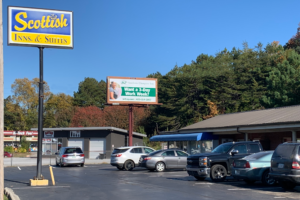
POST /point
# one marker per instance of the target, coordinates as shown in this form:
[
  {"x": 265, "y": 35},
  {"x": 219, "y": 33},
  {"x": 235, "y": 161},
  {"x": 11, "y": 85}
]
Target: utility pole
[{"x": 1, "y": 107}]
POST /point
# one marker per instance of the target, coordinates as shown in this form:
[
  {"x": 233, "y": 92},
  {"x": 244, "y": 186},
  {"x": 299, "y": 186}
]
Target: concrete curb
[{"x": 10, "y": 194}]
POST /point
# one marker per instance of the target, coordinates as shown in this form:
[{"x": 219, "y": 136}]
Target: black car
[
  {"x": 285, "y": 165},
  {"x": 216, "y": 164}
]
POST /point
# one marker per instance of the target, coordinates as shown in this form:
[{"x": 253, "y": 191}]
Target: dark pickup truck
[{"x": 216, "y": 164}]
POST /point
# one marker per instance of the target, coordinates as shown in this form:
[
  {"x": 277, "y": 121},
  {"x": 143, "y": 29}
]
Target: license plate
[
  {"x": 237, "y": 172},
  {"x": 280, "y": 165}
]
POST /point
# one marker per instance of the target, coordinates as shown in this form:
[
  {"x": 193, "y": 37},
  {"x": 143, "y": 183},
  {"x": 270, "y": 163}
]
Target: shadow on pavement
[{"x": 16, "y": 181}]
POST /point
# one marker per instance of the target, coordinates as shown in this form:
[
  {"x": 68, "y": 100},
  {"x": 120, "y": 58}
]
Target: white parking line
[
  {"x": 280, "y": 197},
  {"x": 40, "y": 187},
  {"x": 204, "y": 183},
  {"x": 238, "y": 189}
]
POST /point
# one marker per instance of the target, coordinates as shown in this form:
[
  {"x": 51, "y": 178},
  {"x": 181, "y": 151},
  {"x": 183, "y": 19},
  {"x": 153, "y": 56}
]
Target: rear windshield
[
  {"x": 284, "y": 150},
  {"x": 155, "y": 152},
  {"x": 223, "y": 148},
  {"x": 73, "y": 150},
  {"x": 258, "y": 155},
  {"x": 119, "y": 151}
]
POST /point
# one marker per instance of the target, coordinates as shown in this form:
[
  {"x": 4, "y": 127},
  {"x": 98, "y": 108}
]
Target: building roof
[
  {"x": 273, "y": 116},
  {"x": 89, "y": 129}
]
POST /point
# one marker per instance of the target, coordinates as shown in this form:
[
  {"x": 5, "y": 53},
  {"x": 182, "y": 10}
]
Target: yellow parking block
[{"x": 44, "y": 182}]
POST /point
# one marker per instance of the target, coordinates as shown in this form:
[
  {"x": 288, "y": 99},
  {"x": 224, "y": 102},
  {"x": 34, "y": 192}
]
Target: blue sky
[{"x": 136, "y": 38}]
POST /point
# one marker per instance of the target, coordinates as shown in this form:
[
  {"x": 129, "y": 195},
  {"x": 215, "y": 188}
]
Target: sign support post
[
  {"x": 130, "y": 125},
  {"x": 40, "y": 116}
]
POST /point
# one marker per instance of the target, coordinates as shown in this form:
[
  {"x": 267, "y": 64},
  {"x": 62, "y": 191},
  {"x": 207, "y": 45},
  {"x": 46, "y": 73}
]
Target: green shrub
[
  {"x": 9, "y": 149},
  {"x": 24, "y": 143},
  {"x": 21, "y": 150}
]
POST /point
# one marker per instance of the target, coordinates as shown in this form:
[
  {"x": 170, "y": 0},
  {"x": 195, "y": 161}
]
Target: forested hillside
[{"x": 231, "y": 81}]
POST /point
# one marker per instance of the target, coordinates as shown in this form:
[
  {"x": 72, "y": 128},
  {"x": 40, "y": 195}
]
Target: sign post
[
  {"x": 42, "y": 28},
  {"x": 40, "y": 117},
  {"x": 131, "y": 92}
]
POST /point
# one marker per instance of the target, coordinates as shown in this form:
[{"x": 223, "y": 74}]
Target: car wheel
[
  {"x": 129, "y": 165},
  {"x": 160, "y": 167},
  {"x": 266, "y": 180},
  {"x": 250, "y": 182},
  {"x": 61, "y": 164},
  {"x": 120, "y": 168},
  {"x": 82, "y": 165},
  {"x": 218, "y": 173},
  {"x": 199, "y": 178},
  {"x": 287, "y": 185}
]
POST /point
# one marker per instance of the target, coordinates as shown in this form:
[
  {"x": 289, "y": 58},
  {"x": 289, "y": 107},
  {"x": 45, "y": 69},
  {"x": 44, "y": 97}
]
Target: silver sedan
[{"x": 164, "y": 159}]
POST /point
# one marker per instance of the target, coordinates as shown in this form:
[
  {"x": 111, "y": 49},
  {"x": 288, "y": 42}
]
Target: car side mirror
[{"x": 234, "y": 152}]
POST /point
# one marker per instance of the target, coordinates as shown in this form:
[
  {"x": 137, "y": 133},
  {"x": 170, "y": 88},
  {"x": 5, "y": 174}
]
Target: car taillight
[
  {"x": 82, "y": 155},
  {"x": 64, "y": 156},
  {"x": 247, "y": 165},
  {"x": 295, "y": 165},
  {"x": 233, "y": 164},
  {"x": 147, "y": 158},
  {"x": 118, "y": 155}
]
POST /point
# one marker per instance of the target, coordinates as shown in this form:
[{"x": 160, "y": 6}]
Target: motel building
[{"x": 270, "y": 127}]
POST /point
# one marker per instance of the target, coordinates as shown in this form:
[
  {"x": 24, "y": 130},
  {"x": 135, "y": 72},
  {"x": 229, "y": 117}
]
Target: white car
[{"x": 128, "y": 157}]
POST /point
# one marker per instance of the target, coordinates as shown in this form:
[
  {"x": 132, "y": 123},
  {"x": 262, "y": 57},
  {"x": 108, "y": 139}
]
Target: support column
[
  {"x": 130, "y": 126},
  {"x": 168, "y": 144},
  {"x": 294, "y": 136},
  {"x": 40, "y": 117},
  {"x": 246, "y": 137}
]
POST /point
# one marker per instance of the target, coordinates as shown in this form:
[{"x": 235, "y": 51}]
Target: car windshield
[
  {"x": 73, "y": 150},
  {"x": 155, "y": 152},
  {"x": 223, "y": 148},
  {"x": 116, "y": 151},
  {"x": 284, "y": 150}
]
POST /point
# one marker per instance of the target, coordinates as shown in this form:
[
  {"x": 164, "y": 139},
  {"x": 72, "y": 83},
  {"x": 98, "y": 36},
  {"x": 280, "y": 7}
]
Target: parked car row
[{"x": 242, "y": 160}]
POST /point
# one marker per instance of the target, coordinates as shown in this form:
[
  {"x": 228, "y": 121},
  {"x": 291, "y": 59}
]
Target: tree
[
  {"x": 90, "y": 116},
  {"x": 90, "y": 93},
  {"x": 25, "y": 94},
  {"x": 13, "y": 115},
  {"x": 283, "y": 82},
  {"x": 58, "y": 110},
  {"x": 294, "y": 42},
  {"x": 24, "y": 143}
]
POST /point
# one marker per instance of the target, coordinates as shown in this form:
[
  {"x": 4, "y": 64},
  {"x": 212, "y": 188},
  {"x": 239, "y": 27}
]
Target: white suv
[{"x": 128, "y": 157}]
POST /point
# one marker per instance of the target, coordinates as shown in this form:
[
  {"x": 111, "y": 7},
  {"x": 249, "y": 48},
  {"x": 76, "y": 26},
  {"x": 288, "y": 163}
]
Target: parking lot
[{"x": 106, "y": 182}]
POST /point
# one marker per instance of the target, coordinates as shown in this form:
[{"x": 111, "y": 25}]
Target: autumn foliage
[
  {"x": 88, "y": 116},
  {"x": 112, "y": 116}
]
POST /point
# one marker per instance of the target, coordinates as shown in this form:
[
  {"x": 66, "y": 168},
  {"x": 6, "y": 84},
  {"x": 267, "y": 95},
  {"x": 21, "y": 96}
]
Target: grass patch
[{"x": 5, "y": 197}]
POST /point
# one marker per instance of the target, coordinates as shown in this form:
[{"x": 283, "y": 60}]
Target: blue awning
[{"x": 183, "y": 137}]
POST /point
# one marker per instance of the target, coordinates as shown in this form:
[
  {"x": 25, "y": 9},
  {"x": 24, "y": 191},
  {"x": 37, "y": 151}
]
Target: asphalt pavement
[
  {"x": 107, "y": 182},
  {"x": 16, "y": 161}
]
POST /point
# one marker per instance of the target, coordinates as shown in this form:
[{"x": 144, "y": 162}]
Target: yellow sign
[{"x": 40, "y": 27}]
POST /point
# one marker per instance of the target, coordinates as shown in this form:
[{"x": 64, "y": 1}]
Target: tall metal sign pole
[
  {"x": 42, "y": 28},
  {"x": 40, "y": 116},
  {"x": 130, "y": 125},
  {"x": 1, "y": 106}
]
